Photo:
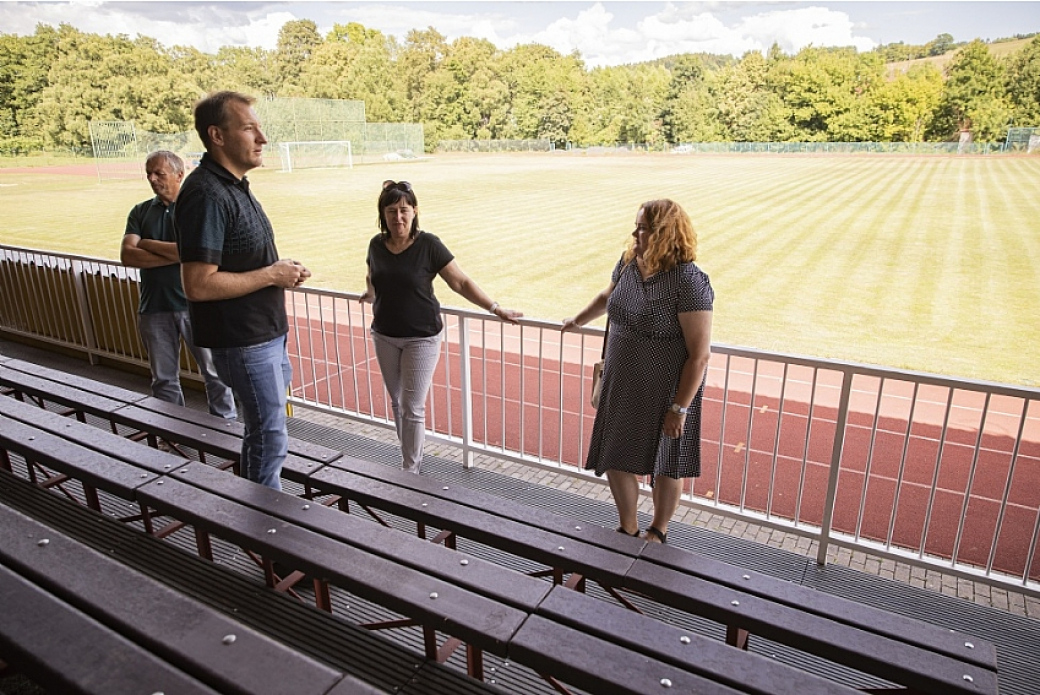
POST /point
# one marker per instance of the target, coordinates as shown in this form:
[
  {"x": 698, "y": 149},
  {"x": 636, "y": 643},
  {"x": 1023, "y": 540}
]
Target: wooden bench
[
  {"x": 917, "y": 655},
  {"x": 370, "y": 663},
  {"x": 181, "y": 635},
  {"x": 150, "y": 418}
]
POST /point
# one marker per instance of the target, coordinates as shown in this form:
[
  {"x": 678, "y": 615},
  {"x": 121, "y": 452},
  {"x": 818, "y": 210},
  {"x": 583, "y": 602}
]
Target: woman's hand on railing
[
  {"x": 366, "y": 296},
  {"x": 569, "y": 325}
]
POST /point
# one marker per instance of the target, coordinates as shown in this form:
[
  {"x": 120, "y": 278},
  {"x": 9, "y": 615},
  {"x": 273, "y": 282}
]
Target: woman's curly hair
[{"x": 670, "y": 239}]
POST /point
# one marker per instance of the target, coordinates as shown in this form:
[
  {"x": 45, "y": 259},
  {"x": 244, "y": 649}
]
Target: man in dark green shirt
[{"x": 150, "y": 244}]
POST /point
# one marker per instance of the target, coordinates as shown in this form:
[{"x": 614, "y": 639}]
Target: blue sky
[{"x": 608, "y": 32}]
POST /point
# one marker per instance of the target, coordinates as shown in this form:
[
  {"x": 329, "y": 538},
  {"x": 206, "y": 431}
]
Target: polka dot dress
[{"x": 644, "y": 359}]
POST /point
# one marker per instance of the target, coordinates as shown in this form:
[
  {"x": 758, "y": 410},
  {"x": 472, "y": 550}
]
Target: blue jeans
[
  {"x": 161, "y": 334},
  {"x": 260, "y": 376}
]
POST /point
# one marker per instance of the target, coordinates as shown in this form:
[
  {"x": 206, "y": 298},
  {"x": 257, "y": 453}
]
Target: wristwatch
[{"x": 676, "y": 408}]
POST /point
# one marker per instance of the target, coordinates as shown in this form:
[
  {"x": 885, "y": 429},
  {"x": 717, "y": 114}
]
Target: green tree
[
  {"x": 690, "y": 112},
  {"x": 297, "y": 40},
  {"x": 422, "y": 53},
  {"x": 903, "y": 107},
  {"x": 1022, "y": 83},
  {"x": 973, "y": 96},
  {"x": 24, "y": 67},
  {"x": 625, "y": 104},
  {"x": 356, "y": 63},
  {"x": 112, "y": 78},
  {"x": 939, "y": 45}
]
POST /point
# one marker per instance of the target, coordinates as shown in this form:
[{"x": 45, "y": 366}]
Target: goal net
[
  {"x": 116, "y": 154},
  {"x": 316, "y": 154}
]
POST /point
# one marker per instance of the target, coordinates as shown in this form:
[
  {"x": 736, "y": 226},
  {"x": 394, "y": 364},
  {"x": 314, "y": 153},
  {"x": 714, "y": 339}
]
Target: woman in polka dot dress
[{"x": 659, "y": 305}]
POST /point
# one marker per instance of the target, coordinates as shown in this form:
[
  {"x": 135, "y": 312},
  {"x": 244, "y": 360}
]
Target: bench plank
[
  {"x": 536, "y": 517},
  {"x": 66, "y": 651},
  {"x": 898, "y": 627},
  {"x": 886, "y": 658},
  {"x": 95, "y": 438},
  {"x": 715, "y": 660},
  {"x": 477, "y": 575},
  {"x": 86, "y": 465},
  {"x": 599, "y": 666},
  {"x": 182, "y": 631},
  {"x": 82, "y": 383},
  {"x": 567, "y": 554},
  {"x": 435, "y": 603},
  {"x": 64, "y": 395}
]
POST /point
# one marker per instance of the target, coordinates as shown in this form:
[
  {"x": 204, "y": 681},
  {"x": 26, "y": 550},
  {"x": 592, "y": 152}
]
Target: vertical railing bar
[
  {"x": 465, "y": 388},
  {"x": 79, "y": 286},
  {"x": 808, "y": 438},
  {"x": 445, "y": 362},
  {"x": 902, "y": 464},
  {"x": 832, "y": 480},
  {"x": 310, "y": 340},
  {"x": 352, "y": 352},
  {"x": 52, "y": 323},
  {"x": 485, "y": 438},
  {"x": 502, "y": 382},
  {"x": 722, "y": 428},
  {"x": 971, "y": 482},
  {"x": 935, "y": 475},
  {"x": 1007, "y": 487},
  {"x": 103, "y": 309},
  {"x": 584, "y": 388},
  {"x": 776, "y": 443},
  {"x": 339, "y": 356},
  {"x": 291, "y": 302},
  {"x": 324, "y": 342},
  {"x": 559, "y": 402},
  {"x": 541, "y": 396},
  {"x": 523, "y": 390},
  {"x": 869, "y": 463},
  {"x": 116, "y": 277},
  {"x": 750, "y": 421},
  {"x": 45, "y": 296},
  {"x": 368, "y": 370}
]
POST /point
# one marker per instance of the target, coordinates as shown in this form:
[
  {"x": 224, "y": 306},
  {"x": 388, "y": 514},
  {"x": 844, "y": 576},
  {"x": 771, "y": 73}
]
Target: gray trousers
[
  {"x": 407, "y": 365},
  {"x": 161, "y": 334}
]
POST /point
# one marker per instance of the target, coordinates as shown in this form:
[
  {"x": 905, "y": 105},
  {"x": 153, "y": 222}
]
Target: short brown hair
[{"x": 212, "y": 110}]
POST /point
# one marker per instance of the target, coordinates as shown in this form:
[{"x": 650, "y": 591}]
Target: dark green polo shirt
[{"x": 161, "y": 288}]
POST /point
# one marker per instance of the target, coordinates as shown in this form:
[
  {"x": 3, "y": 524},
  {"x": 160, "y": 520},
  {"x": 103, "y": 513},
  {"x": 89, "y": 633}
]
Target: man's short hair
[
  {"x": 213, "y": 110},
  {"x": 173, "y": 161}
]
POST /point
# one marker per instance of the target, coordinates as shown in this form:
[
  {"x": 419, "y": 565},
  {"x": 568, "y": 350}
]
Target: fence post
[
  {"x": 465, "y": 387},
  {"x": 832, "y": 480}
]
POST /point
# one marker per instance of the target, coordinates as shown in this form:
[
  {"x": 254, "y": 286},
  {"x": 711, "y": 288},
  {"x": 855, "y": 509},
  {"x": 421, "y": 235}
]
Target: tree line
[{"x": 57, "y": 80}]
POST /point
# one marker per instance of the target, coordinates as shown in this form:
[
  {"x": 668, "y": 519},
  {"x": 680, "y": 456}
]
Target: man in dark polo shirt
[
  {"x": 149, "y": 244},
  {"x": 235, "y": 282}
]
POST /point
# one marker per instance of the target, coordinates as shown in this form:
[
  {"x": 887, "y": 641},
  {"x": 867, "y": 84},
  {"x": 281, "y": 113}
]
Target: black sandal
[
  {"x": 654, "y": 531},
  {"x": 621, "y": 529}
]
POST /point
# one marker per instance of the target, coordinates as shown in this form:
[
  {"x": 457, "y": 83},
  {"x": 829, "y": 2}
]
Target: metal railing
[{"x": 928, "y": 470}]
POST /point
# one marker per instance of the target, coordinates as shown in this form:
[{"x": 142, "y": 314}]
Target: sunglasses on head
[{"x": 403, "y": 185}]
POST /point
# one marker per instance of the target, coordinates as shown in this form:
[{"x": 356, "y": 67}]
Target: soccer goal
[{"x": 316, "y": 154}]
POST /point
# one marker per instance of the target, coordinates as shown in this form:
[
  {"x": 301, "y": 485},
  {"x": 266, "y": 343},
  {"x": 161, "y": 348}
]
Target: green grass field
[{"x": 926, "y": 263}]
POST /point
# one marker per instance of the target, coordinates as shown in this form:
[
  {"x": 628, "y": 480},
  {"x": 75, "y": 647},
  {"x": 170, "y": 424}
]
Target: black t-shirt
[
  {"x": 405, "y": 306},
  {"x": 219, "y": 221}
]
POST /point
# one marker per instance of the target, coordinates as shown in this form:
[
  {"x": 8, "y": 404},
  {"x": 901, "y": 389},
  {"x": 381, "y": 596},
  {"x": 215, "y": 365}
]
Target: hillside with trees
[{"x": 55, "y": 81}]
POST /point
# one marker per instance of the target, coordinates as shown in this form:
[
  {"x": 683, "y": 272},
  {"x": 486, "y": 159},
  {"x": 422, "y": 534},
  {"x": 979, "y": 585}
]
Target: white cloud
[
  {"x": 594, "y": 30},
  {"x": 693, "y": 28},
  {"x": 796, "y": 29}
]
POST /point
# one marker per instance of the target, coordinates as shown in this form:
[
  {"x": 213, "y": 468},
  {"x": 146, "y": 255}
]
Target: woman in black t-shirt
[{"x": 406, "y": 316}]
